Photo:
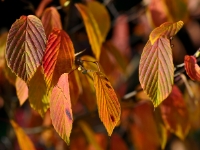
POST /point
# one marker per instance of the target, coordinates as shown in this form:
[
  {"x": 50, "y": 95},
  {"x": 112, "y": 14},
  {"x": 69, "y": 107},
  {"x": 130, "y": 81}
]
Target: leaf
[
  {"x": 92, "y": 28},
  {"x": 22, "y": 90},
  {"x": 121, "y": 145},
  {"x": 166, "y": 29},
  {"x": 143, "y": 129},
  {"x": 107, "y": 102},
  {"x": 51, "y": 19},
  {"x": 175, "y": 114},
  {"x": 192, "y": 68},
  {"x": 38, "y": 98},
  {"x": 24, "y": 141},
  {"x": 89, "y": 135},
  {"x": 88, "y": 95},
  {"x": 58, "y": 58},
  {"x": 3, "y": 39},
  {"x": 101, "y": 15},
  {"x": 25, "y": 46},
  {"x": 178, "y": 9},
  {"x": 156, "y": 70},
  {"x": 74, "y": 87},
  {"x": 60, "y": 108},
  {"x": 10, "y": 76}
]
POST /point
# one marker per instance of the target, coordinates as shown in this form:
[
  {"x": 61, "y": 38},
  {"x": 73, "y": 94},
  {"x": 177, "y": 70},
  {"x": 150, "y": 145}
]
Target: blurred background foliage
[{"x": 131, "y": 23}]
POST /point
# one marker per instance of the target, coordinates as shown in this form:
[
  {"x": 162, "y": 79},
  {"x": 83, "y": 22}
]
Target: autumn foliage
[{"x": 66, "y": 88}]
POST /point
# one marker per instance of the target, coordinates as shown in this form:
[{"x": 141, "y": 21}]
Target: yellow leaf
[
  {"x": 89, "y": 135},
  {"x": 166, "y": 29},
  {"x": 24, "y": 141},
  {"x": 101, "y": 16},
  {"x": 3, "y": 38},
  {"x": 38, "y": 98},
  {"x": 108, "y": 105},
  {"x": 92, "y": 28}
]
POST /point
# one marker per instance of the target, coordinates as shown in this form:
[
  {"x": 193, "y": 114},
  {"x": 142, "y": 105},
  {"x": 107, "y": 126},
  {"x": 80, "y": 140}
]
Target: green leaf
[
  {"x": 25, "y": 46},
  {"x": 156, "y": 70}
]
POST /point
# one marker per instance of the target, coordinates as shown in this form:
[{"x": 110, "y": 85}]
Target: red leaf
[
  {"x": 175, "y": 114},
  {"x": 58, "y": 58},
  {"x": 51, "y": 19},
  {"x": 192, "y": 68},
  {"x": 60, "y": 108},
  {"x": 25, "y": 46}
]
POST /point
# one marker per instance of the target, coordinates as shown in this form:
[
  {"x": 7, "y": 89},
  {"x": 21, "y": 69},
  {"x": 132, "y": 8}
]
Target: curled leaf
[
  {"x": 156, "y": 70},
  {"x": 22, "y": 90},
  {"x": 24, "y": 141},
  {"x": 38, "y": 98},
  {"x": 166, "y": 29},
  {"x": 51, "y": 19},
  {"x": 192, "y": 68},
  {"x": 25, "y": 46},
  {"x": 60, "y": 108},
  {"x": 107, "y": 102},
  {"x": 58, "y": 58}
]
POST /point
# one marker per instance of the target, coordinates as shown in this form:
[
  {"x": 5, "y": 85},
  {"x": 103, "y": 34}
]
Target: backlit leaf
[
  {"x": 143, "y": 129},
  {"x": 38, "y": 98},
  {"x": 58, "y": 58},
  {"x": 24, "y": 141},
  {"x": 22, "y": 90},
  {"x": 51, "y": 19},
  {"x": 101, "y": 16},
  {"x": 3, "y": 39},
  {"x": 74, "y": 87},
  {"x": 166, "y": 29},
  {"x": 178, "y": 9},
  {"x": 88, "y": 95},
  {"x": 192, "y": 68},
  {"x": 156, "y": 70},
  {"x": 25, "y": 46},
  {"x": 10, "y": 76},
  {"x": 175, "y": 114},
  {"x": 107, "y": 102},
  {"x": 92, "y": 28},
  {"x": 60, "y": 108},
  {"x": 89, "y": 135}
]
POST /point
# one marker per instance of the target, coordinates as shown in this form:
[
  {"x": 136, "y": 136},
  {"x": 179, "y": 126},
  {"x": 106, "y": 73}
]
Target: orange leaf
[
  {"x": 192, "y": 68},
  {"x": 25, "y": 46},
  {"x": 101, "y": 15},
  {"x": 58, "y": 58},
  {"x": 107, "y": 102},
  {"x": 38, "y": 98},
  {"x": 51, "y": 19},
  {"x": 166, "y": 29},
  {"x": 24, "y": 141},
  {"x": 22, "y": 90},
  {"x": 156, "y": 70},
  {"x": 60, "y": 108},
  {"x": 92, "y": 28},
  {"x": 74, "y": 87},
  {"x": 121, "y": 145},
  {"x": 144, "y": 130},
  {"x": 175, "y": 114}
]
